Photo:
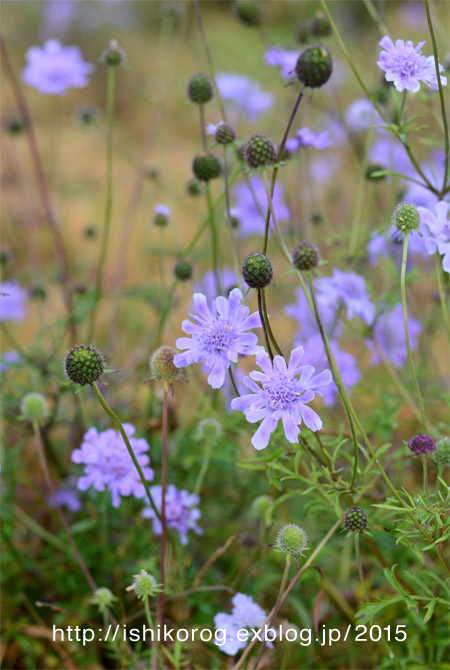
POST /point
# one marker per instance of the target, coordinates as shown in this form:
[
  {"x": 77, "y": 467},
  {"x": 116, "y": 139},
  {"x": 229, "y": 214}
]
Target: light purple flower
[
  {"x": 162, "y": 210},
  {"x": 390, "y": 154},
  {"x": 347, "y": 289},
  {"x": 377, "y": 248},
  {"x": 13, "y": 301},
  {"x": 247, "y": 99},
  {"x": 282, "y": 59},
  {"x": 207, "y": 283},
  {"x": 412, "y": 14},
  {"x": 302, "y": 313},
  {"x": 391, "y": 246},
  {"x": 244, "y": 614},
  {"x": 9, "y": 358},
  {"x": 109, "y": 465},
  {"x": 323, "y": 168},
  {"x": 361, "y": 115},
  {"x": 404, "y": 65},
  {"x": 281, "y": 396},
  {"x": 180, "y": 508},
  {"x": 218, "y": 335},
  {"x": 55, "y": 68},
  {"x": 66, "y": 496},
  {"x": 346, "y": 363},
  {"x": 437, "y": 224},
  {"x": 433, "y": 170},
  {"x": 251, "y": 206},
  {"x": 305, "y": 137},
  {"x": 389, "y": 334}
]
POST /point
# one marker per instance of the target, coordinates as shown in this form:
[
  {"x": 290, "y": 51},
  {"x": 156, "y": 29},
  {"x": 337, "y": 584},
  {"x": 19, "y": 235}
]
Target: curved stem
[
  {"x": 405, "y": 325},
  {"x": 214, "y": 238}
]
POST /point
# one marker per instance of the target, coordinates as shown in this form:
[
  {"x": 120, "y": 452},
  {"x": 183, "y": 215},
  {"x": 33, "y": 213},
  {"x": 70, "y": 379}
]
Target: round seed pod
[
  {"x": 355, "y": 520},
  {"x": 206, "y": 167},
  {"x": 314, "y": 66},
  {"x": 259, "y": 152},
  {"x": 183, "y": 270},
  {"x": 200, "y": 89},
  {"x": 162, "y": 365},
  {"x": 257, "y": 270},
  {"x": 84, "y": 365},
  {"x": 34, "y": 407},
  {"x": 291, "y": 539},
  {"x": 406, "y": 217},
  {"x": 225, "y": 134},
  {"x": 305, "y": 256},
  {"x": 249, "y": 12}
]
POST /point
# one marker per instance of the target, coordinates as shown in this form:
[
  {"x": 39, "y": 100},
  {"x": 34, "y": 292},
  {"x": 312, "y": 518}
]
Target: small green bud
[
  {"x": 114, "y": 55},
  {"x": 38, "y": 291},
  {"x": 303, "y": 32},
  {"x": 15, "y": 125},
  {"x": 406, "y": 218},
  {"x": 320, "y": 26},
  {"x": 103, "y": 598},
  {"x": 314, "y": 66},
  {"x": 200, "y": 89},
  {"x": 291, "y": 539},
  {"x": 225, "y": 134},
  {"x": 86, "y": 114},
  {"x": 257, "y": 270},
  {"x": 84, "y": 365},
  {"x": 194, "y": 187},
  {"x": 183, "y": 270},
  {"x": 162, "y": 365},
  {"x": 206, "y": 167},
  {"x": 305, "y": 256},
  {"x": 91, "y": 232},
  {"x": 355, "y": 520},
  {"x": 261, "y": 508},
  {"x": 144, "y": 585},
  {"x": 5, "y": 258},
  {"x": 249, "y": 12},
  {"x": 34, "y": 407},
  {"x": 259, "y": 152},
  {"x": 441, "y": 456}
]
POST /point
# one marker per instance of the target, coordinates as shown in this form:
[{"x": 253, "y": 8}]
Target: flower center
[
  {"x": 281, "y": 393},
  {"x": 408, "y": 64},
  {"x": 218, "y": 338}
]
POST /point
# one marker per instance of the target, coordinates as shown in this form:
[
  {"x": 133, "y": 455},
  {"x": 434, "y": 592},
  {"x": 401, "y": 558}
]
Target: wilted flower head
[
  {"x": 404, "y": 65},
  {"x": 244, "y": 614},
  {"x": 181, "y": 511},
  {"x": 283, "y": 394},
  {"x": 218, "y": 335},
  {"x": 389, "y": 335},
  {"x": 437, "y": 224},
  {"x": 55, "y": 68},
  {"x": 108, "y": 465},
  {"x": 12, "y": 302}
]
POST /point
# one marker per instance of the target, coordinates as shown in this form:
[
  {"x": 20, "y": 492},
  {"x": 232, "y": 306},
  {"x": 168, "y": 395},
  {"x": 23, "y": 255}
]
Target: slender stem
[
  {"x": 119, "y": 425},
  {"x": 268, "y": 326},
  {"x": 376, "y": 17},
  {"x": 233, "y": 383},
  {"x": 201, "y": 109},
  {"x": 441, "y": 95},
  {"x": 214, "y": 238},
  {"x": 109, "y": 195},
  {"x": 360, "y": 569},
  {"x": 264, "y": 323},
  {"x": 165, "y": 413},
  {"x": 442, "y": 297},
  {"x": 405, "y": 325},
  {"x": 425, "y": 477}
]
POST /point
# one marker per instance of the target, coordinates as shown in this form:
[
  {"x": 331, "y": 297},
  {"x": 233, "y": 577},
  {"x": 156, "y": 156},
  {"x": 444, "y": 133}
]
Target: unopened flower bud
[
  {"x": 249, "y": 12},
  {"x": 225, "y": 134},
  {"x": 33, "y": 407},
  {"x": 291, "y": 539},
  {"x": 441, "y": 456},
  {"x": 305, "y": 256},
  {"x": 406, "y": 218},
  {"x": 84, "y": 365},
  {"x": 103, "y": 598},
  {"x": 114, "y": 55},
  {"x": 144, "y": 585},
  {"x": 314, "y": 66},
  {"x": 422, "y": 444},
  {"x": 355, "y": 520},
  {"x": 162, "y": 365},
  {"x": 206, "y": 167},
  {"x": 200, "y": 89},
  {"x": 183, "y": 270},
  {"x": 259, "y": 152}
]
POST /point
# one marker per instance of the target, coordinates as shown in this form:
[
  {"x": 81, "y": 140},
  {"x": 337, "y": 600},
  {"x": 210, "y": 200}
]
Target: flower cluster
[
  {"x": 305, "y": 137},
  {"x": 244, "y": 614},
  {"x": 108, "y": 465},
  {"x": 180, "y": 510},
  {"x": 389, "y": 336}
]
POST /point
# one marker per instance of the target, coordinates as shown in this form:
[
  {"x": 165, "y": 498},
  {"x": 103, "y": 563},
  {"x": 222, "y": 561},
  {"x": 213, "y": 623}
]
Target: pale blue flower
[
  {"x": 245, "y": 95},
  {"x": 54, "y": 68},
  {"x": 389, "y": 335},
  {"x": 245, "y": 614},
  {"x": 282, "y": 59},
  {"x": 404, "y": 65},
  {"x": 251, "y": 206},
  {"x": 13, "y": 302},
  {"x": 437, "y": 224},
  {"x": 180, "y": 510}
]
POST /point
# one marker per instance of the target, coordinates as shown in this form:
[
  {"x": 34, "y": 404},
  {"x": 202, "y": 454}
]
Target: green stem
[
  {"x": 161, "y": 602},
  {"x": 405, "y": 325},
  {"x": 397, "y": 381},
  {"x": 441, "y": 95},
  {"x": 262, "y": 316},
  {"x": 109, "y": 195},
  {"x": 201, "y": 109},
  {"x": 442, "y": 297},
  {"x": 425, "y": 477},
  {"x": 119, "y": 425},
  {"x": 214, "y": 238},
  {"x": 267, "y": 323},
  {"x": 360, "y": 569}
]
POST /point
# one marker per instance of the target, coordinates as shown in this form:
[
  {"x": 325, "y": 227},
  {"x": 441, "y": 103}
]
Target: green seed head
[
  {"x": 162, "y": 365},
  {"x": 103, "y": 598},
  {"x": 261, "y": 506},
  {"x": 224, "y": 134},
  {"x": 257, "y": 270},
  {"x": 314, "y": 66},
  {"x": 306, "y": 256},
  {"x": 303, "y": 32},
  {"x": 320, "y": 26},
  {"x": 193, "y": 187},
  {"x": 291, "y": 539},
  {"x": 441, "y": 456},
  {"x": 114, "y": 55},
  {"x": 406, "y": 218},
  {"x": 206, "y": 167},
  {"x": 34, "y": 407},
  {"x": 200, "y": 89},
  {"x": 15, "y": 125},
  {"x": 183, "y": 270},
  {"x": 355, "y": 520},
  {"x": 144, "y": 585},
  {"x": 259, "y": 152},
  {"x": 84, "y": 365},
  {"x": 249, "y": 12}
]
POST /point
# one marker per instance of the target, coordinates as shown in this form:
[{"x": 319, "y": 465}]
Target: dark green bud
[
  {"x": 224, "y": 134},
  {"x": 259, "y": 152},
  {"x": 84, "y": 365},
  {"x": 306, "y": 256},
  {"x": 200, "y": 89},
  {"x": 314, "y": 66},
  {"x": 257, "y": 270},
  {"x": 355, "y": 520},
  {"x": 206, "y": 167},
  {"x": 249, "y": 12},
  {"x": 183, "y": 270}
]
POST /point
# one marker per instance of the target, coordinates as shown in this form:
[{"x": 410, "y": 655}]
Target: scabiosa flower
[
  {"x": 347, "y": 289},
  {"x": 405, "y": 65},
  {"x": 361, "y": 115},
  {"x": 244, "y": 614},
  {"x": 66, "y": 496},
  {"x": 437, "y": 224},
  {"x": 13, "y": 301},
  {"x": 54, "y": 68},
  {"x": 291, "y": 539},
  {"x": 207, "y": 284},
  {"x": 433, "y": 169},
  {"x": 422, "y": 444},
  {"x": 8, "y": 359},
  {"x": 390, "y": 245},
  {"x": 108, "y": 465},
  {"x": 307, "y": 325},
  {"x": 281, "y": 396},
  {"x": 389, "y": 153},
  {"x": 308, "y": 138},
  {"x": 181, "y": 510},
  {"x": 389, "y": 334},
  {"x": 284, "y": 60},
  {"x": 247, "y": 99},
  {"x": 251, "y": 206},
  {"x": 218, "y": 335}
]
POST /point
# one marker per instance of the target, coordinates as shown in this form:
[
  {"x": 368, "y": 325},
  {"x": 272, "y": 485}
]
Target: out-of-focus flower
[
  {"x": 307, "y": 326},
  {"x": 180, "y": 508},
  {"x": 389, "y": 335},
  {"x": 9, "y": 358},
  {"x": 244, "y": 614},
  {"x": 346, "y": 363},
  {"x": 251, "y": 206},
  {"x": 305, "y": 137},
  {"x": 404, "y": 65},
  {"x": 437, "y": 224},
  {"x": 218, "y": 335},
  {"x": 161, "y": 215},
  {"x": 13, "y": 301},
  {"x": 54, "y": 68},
  {"x": 207, "y": 284},
  {"x": 66, "y": 496},
  {"x": 389, "y": 153},
  {"x": 282, "y": 59},
  {"x": 323, "y": 168},
  {"x": 108, "y": 465},
  {"x": 412, "y": 14},
  {"x": 347, "y": 289},
  {"x": 389, "y": 245},
  {"x": 281, "y": 396},
  {"x": 433, "y": 170},
  {"x": 422, "y": 444},
  {"x": 245, "y": 95},
  {"x": 361, "y": 115}
]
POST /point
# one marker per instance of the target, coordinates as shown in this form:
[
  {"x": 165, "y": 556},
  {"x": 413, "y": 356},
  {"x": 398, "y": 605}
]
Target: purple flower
[
  {"x": 301, "y": 311},
  {"x": 347, "y": 289},
  {"x": 361, "y": 115},
  {"x": 245, "y": 614},
  {"x": 54, "y": 68},
  {"x": 305, "y": 137},
  {"x": 162, "y": 210},
  {"x": 390, "y": 154},
  {"x": 66, "y": 496},
  {"x": 12, "y": 302},
  {"x": 109, "y": 465},
  {"x": 180, "y": 508},
  {"x": 438, "y": 227},
  {"x": 315, "y": 355},
  {"x": 377, "y": 247},
  {"x": 7, "y": 359},
  {"x": 281, "y": 396},
  {"x": 390, "y": 245},
  {"x": 247, "y": 98},
  {"x": 218, "y": 335},
  {"x": 422, "y": 444},
  {"x": 434, "y": 172},
  {"x": 389, "y": 335},
  {"x": 323, "y": 168},
  {"x": 412, "y": 14},
  {"x": 282, "y": 59},
  {"x": 207, "y": 284},
  {"x": 407, "y": 67},
  {"x": 251, "y": 206}
]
